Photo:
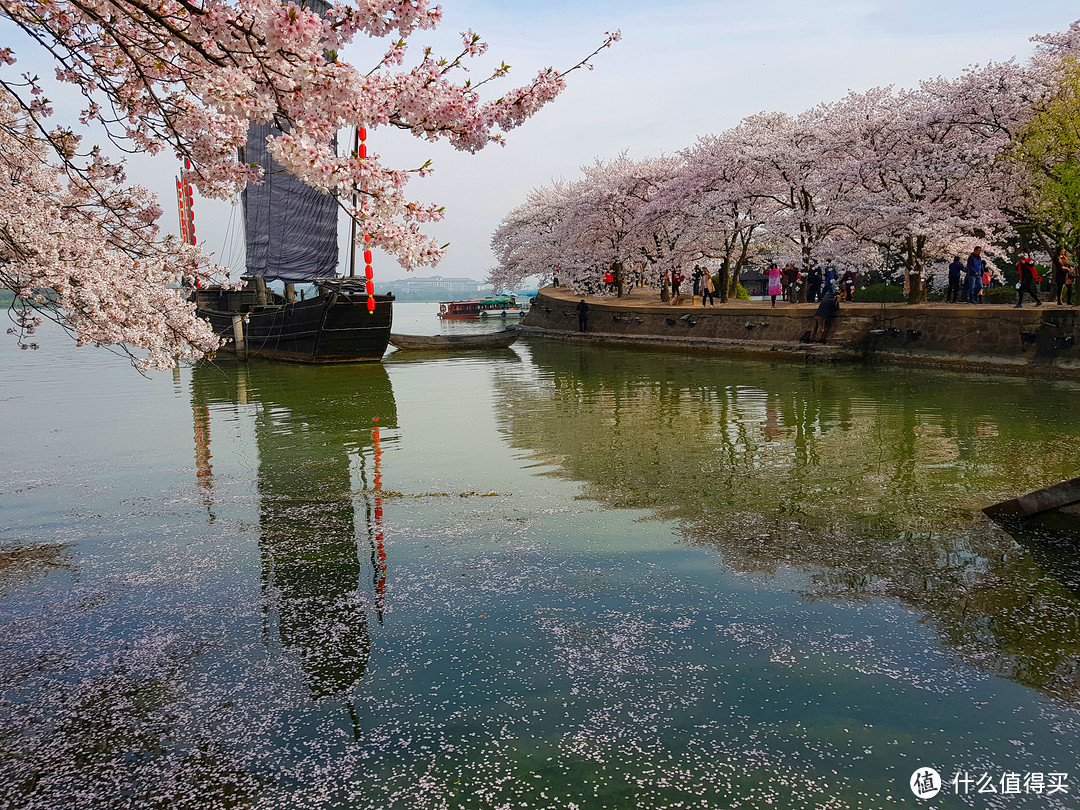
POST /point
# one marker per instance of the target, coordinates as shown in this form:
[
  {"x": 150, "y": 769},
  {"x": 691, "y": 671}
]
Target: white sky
[{"x": 682, "y": 69}]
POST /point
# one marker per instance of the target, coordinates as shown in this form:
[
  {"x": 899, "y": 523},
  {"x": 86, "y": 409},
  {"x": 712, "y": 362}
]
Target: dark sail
[{"x": 290, "y": 227}]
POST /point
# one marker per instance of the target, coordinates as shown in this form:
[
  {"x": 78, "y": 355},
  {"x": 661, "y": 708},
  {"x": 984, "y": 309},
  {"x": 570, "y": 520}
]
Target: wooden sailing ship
[{"x": 290, "y": 232}]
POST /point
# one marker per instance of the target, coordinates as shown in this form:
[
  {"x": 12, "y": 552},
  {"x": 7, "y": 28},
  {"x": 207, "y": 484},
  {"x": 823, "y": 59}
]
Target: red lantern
[
  {"x": 371, "y": 305},
  {"x": 362, "y": 151},
  {"x": 370, "y": 287},
  {"x": 362, "y": 133},
  {"x": 369, "y": 272},
  {"x": 367, "y": 257}
]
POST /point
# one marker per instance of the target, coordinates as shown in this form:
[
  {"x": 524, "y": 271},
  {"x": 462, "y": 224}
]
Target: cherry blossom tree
[
  {"x": 527, "y": 241},
  {"x": 920, "y": 182},
  {"x": 808, "y": 196},
  {"x": 587, "y": 226},
  {"x": 188, "y": 77},
  {"x": 82, "y": 248},
  {"x": 1039, "y": 175},
  {"x": 715, "y": 204},
  {"x": 604, "y": 216}
]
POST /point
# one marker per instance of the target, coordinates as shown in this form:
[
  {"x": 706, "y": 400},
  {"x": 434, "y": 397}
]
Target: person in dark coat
[
  {"x": 847, "y": 283},
  {"x": 955, "y": 269},
  {"x": 973, "y": 276},
  {"x": 1029, "y": 277},
  {"x": 813, "y": 291},
  {"x": 791, "y": 283},
  {"x": 583, "y": 316},
  {"x": 826, "y": 311}
]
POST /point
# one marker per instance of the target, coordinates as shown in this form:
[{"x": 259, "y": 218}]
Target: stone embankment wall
[{"x": 1036, "y": 339}]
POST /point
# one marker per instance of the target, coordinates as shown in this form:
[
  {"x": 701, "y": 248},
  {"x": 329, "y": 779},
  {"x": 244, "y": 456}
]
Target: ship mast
[{"x": 352, "y": 239}]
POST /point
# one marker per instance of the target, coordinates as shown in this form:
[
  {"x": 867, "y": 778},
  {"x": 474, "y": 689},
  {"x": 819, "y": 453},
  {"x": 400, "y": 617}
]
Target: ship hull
[{"x": 334, "y": 327}]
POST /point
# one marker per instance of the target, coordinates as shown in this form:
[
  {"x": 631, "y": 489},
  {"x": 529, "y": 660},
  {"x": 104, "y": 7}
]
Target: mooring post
[{"x": 238, "y": 336}]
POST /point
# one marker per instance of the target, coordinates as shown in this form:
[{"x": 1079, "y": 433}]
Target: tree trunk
[
  {"x": 619, "y": 281},
  {"x": 724, "y": 281},
  {"x": 1054, "y": 250},
  {"x": 665, "y": 294}
]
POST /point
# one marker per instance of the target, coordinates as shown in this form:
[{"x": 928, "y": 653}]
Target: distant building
[
  {"x": 441, "y": 285},
  {"x": 755, "y": 282}
]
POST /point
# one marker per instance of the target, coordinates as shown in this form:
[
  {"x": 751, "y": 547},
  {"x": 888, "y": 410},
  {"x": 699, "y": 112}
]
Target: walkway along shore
[{"x": 1032, "y": 340}]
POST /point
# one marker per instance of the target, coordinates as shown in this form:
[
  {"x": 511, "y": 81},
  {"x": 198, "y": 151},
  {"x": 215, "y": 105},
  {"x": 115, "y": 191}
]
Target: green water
[{"x": 548, "y": 577}]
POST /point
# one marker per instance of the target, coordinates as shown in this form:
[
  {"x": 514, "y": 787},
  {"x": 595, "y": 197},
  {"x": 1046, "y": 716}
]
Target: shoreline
[{"x": 1000, "y": 338}]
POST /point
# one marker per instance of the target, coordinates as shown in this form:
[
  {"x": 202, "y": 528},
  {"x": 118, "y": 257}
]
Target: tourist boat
[
  {"x": 487, "y": 340},
  {"x": 499, "y": 306},
  {"x": 291, "y": 235}
]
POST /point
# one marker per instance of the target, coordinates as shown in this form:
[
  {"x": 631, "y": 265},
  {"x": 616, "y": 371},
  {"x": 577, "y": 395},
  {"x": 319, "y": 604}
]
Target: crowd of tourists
[
  {"x": 786, "y": 282},
  {"x": 967, "y": 282}
]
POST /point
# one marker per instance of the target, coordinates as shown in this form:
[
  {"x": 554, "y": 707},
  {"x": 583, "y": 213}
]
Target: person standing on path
[
  {"x": 973, "y": 275},
  {"x": 830, "y": 284},
  {"x": 555, "y": 276},
  {"x": 791, "y": 283},
  {"x": 676, "y": 280},
  {"x": 1029, "y": 277},
  {"x": 848, "y": 284},
  {"x": 708, "y": 289},
  {"x": 955, "y": 269},
  {"x": 813, "y": 291},
  {"x": 1067, "y": 276},
  {"x": 582, "y": 316},
  {"x": 776, "y": 285}
]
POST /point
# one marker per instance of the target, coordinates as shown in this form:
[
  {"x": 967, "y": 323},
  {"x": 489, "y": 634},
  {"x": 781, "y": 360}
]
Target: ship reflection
[{"x": 315, "y": 428}]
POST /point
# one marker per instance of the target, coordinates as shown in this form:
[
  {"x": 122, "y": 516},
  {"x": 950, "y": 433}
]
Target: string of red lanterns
[
  {"x": 187, "y": 210},
  {"x": 361, "y": 152}
]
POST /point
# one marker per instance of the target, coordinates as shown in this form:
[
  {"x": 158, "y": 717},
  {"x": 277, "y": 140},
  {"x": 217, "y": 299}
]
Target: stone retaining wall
[{"x": 1042, "y": 339}]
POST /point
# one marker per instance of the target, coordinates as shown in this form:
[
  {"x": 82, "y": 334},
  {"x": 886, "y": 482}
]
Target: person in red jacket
[{"x": 1029, "y": 277}]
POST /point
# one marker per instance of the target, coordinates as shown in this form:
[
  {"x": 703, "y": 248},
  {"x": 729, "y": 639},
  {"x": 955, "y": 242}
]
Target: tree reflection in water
[{"x": 866, "y": 481}]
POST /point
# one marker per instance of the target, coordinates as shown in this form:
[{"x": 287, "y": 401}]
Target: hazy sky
[
  {"x": 682, "y": 69},
  {"x": 685, "y": 69}
]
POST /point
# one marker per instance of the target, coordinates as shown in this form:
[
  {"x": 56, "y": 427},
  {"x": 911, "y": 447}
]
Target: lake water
[{"x": 552, "y": 576}]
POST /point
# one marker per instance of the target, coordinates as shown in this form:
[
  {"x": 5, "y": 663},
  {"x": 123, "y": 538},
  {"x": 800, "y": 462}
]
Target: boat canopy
[{"x": 481, "y": 303}]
